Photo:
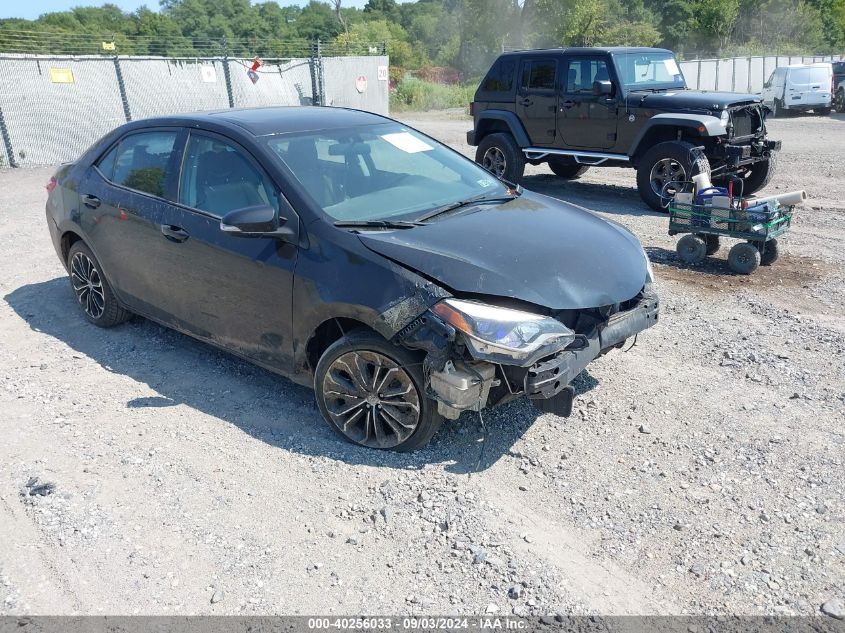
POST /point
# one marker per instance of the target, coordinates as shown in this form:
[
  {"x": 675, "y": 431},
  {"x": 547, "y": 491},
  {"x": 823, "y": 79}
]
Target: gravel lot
[{"x": 702, "y": 471}]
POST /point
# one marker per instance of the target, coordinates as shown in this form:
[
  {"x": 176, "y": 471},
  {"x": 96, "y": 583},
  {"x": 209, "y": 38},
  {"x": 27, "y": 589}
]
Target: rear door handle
[
  {"x": 526, "y": 101},
  {"x": 174, "y": 233},
  {"x": 90, "y": 201}
]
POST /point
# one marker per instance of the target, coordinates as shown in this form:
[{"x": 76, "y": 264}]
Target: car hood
[
  {"x": 698, "y": 100},
  {"x": 533, "y": 248}
]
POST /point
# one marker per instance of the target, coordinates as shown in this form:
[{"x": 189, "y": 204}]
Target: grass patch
[{"x": 417, "y": 95}]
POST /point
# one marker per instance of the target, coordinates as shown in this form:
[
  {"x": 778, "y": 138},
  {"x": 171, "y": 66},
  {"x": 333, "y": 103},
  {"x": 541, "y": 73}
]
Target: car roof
[
  {"x": 588, "y": 50},
  {"x": 814, "y": 65},
  {"x": 275, "y": 120}
]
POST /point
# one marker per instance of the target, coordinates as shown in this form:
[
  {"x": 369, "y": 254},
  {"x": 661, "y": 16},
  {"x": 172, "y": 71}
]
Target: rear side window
[
  {"x": 141, "y": 161},
  {"x": 539, "y": 75},
  {"x": 218, "y": 178},
  {"x": 500, "y": 78}
]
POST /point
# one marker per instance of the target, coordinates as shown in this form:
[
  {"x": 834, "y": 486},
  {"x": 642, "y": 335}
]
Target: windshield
[
  {"x": 380, "y": 172},
  {"x": 656, "y": 70}
]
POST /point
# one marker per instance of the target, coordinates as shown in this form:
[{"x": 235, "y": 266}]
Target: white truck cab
[{"x": 799, "y": 87}]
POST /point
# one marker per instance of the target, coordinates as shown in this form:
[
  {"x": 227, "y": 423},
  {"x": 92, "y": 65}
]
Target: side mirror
[
  {"x": 257, "y": 221},
  {"x": 602, "y": 87}
]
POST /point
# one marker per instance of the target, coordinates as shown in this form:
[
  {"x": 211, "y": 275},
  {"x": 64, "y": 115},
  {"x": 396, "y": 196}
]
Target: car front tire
[
  {"x": 372, "y": 393},
  {"x": 92, "y": 289},
  {"x": 666, "y": 163},
  {"x": 759, "y": 175},
  {"x": 500, "y": 155}
]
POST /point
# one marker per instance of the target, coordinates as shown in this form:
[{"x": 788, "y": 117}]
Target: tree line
[{"x": 464, "y": 35}]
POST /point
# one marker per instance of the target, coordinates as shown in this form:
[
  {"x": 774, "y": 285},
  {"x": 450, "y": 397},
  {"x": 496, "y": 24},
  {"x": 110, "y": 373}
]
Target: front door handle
[
  {"x": 568, "y": 104},
  {"x": 90, "y": 201},
  {"x": 526, "y": 102},
  {"x": 174, "y": 233}
]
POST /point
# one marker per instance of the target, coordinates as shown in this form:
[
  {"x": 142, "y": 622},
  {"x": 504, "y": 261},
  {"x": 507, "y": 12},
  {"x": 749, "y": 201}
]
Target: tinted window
[
  {"x": 500, "y": 77},
  {"x": 218, "y": 178},
  {"x": 140, "y": 161},
  {"x": 581, "y": 74},
  {"x": 540, "y": 75}
]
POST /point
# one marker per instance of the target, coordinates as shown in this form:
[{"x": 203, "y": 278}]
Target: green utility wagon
[{"x": 758, "y": 227}]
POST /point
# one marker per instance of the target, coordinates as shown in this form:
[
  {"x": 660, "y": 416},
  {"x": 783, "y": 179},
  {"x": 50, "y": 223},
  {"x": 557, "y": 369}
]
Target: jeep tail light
[{"x": 51, "y": 184}]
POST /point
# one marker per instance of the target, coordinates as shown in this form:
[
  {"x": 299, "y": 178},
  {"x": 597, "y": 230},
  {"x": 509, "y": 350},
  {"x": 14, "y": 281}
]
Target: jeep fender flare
[
  {"x": 712, "y": 125},
  {"x": 510, "y": 120}
]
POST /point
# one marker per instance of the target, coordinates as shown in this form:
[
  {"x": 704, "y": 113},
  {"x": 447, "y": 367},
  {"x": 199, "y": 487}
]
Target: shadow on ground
[{"x": 183, "y": 371}]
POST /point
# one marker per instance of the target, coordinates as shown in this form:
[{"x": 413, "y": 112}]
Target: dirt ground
[{"x": 701, "y": 472}]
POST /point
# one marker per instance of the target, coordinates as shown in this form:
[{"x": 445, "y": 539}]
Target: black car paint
[{"x": 264, "y": 299}]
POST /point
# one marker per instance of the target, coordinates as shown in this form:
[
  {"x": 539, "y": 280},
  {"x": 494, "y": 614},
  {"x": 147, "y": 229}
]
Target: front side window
[
  {"x": 218, "y": 178},
  {"x": 380, "y": 172},
  {"x": 581, "y": 74},
  {"x": 648, "y": 71},
  {"x": 141, "y": 162}
]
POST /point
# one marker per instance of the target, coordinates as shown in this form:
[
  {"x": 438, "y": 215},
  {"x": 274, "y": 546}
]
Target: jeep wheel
[
  {"x": 501, "y": 156},
  {"x": 567, "y": 168},
  {"x": 759, "y": 175},
  {"x": 839, "y": 101},
  {"x": 664, "y": 169}
]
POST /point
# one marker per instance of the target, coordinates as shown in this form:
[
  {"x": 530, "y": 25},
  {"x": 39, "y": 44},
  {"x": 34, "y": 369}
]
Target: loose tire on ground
[
  {"x": 744, "y": 258},
  {"x": 92, "y": 290},
  {"x": 567, "y": 168},
  {"x": 346, "y": 381},
  {"x": 500, "y": 155},
  {"x": 771, "y": 255},
  {"x": 691, "y": 249},
  {"x": 668, "y": 162}
]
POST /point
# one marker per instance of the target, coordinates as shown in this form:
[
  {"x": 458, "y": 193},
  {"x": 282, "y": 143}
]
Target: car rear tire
[
  {"x": 839, "y": 101},
  {"x": 567, "y": 169},
  {"x": 771, "y": 255},
  {"x": 372, "y": 393},
  {"x": 500, "y": 155},
  {"x": 666, "y": 163},
  {"x": 92, "y": 289},
  {"x": 759, "y": 175},
  {"x": 823, "y": 111},
  {"x": 692, "y": 249},
  {"x": 744, "y": 258}
]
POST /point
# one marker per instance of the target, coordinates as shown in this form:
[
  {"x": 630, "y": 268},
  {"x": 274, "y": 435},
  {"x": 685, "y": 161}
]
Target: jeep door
[
  {"x": 586, "y": 120},
  {"x": 536, "y": 99}
]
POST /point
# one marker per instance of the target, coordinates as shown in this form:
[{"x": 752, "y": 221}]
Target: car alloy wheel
[
  {"x": 664, "y": 172},
  {"x": 494, "y": 161},
  {"x": 371, "y": 399},
  {"x": 88, "y": 285}
]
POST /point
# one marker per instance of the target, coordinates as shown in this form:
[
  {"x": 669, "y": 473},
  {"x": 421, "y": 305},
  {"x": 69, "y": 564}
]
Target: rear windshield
[{"x": 815, "y": 75}]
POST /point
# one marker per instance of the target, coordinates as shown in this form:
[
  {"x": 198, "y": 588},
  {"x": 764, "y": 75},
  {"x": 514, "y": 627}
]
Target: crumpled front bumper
[{"x": 549, "y": 377}]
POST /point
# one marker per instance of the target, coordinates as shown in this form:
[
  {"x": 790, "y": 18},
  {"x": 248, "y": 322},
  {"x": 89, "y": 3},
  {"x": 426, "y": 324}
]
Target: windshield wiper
[
  {"x": 376, "y": 224},
  {"x": 482, "y": 199}
]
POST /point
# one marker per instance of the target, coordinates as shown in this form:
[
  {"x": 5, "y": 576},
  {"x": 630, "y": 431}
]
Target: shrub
[{"x": 413, "y": 94}]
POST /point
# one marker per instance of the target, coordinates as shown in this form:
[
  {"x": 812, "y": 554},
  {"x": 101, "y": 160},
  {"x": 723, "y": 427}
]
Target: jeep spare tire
[
  {"x": 666, "y": 169},
  {"x": 567, "y": 168},
  {"x": 500, "y": 155}
]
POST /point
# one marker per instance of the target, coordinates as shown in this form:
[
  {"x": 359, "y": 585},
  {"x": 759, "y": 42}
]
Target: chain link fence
[{"x": 52, "y": 107}]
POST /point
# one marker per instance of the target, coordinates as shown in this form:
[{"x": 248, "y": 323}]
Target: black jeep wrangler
[{"x": 577, "y": 108}]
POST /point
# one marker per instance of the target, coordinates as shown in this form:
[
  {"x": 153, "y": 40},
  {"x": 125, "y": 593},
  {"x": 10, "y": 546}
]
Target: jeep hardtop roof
[{"x": 586, "y": 50}]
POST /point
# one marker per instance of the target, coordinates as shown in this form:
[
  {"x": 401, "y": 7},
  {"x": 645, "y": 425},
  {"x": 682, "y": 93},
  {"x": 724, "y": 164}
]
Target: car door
[
  {"x": 768, "y": 93},
  {"x": 586, "y": 120},
  {"x": 536, "y": 100},
  {"x": 122, "y": 199},
  {"x": 233, "y": 291}
]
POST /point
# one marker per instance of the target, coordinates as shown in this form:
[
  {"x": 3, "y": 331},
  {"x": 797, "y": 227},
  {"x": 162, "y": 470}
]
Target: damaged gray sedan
[{"x": 352, "y": 254}]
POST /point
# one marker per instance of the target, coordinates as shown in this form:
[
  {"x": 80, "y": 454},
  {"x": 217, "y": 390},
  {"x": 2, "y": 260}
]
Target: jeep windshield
[
  {"x": 383, "y": 175},
  {"x": 650, "y": 71}
]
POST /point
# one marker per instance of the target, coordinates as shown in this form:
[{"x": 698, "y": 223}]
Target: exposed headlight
[
  {"x": 502, "y": 334},
  {"x": 726, "y": 116}
]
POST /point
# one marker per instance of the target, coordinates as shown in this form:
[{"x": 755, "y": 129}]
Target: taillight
[
  {"x": 51, "y": 185},
  {"x": 472, "y": 108}
]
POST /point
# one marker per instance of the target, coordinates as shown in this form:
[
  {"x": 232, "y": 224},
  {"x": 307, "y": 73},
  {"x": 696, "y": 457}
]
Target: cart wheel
[
  {"x": 771, "y": 255},
  {"x": 744, "y": 258},
  {"x": 712, "y": 242},
  {"x": 691, "y": 249}
]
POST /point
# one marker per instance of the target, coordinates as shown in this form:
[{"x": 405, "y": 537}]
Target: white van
[{"x": 799, "y": 87}]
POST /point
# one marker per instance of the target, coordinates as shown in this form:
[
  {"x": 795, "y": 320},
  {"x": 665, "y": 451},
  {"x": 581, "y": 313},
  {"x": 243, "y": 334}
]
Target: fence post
[
  {"x": 7, "y": 141},
  {"x": 698, "y": 76},
  {"x": 718, "y": 65},
  {"x": 316, "y": 67},
  {"x": 121, "y": 86},
  {"x": 227, "y": 76},
  {"x": 733, "y": 76}
]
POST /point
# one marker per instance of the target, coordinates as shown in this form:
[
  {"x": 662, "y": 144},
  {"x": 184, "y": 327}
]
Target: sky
[{"x": 32, "y": 9}]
